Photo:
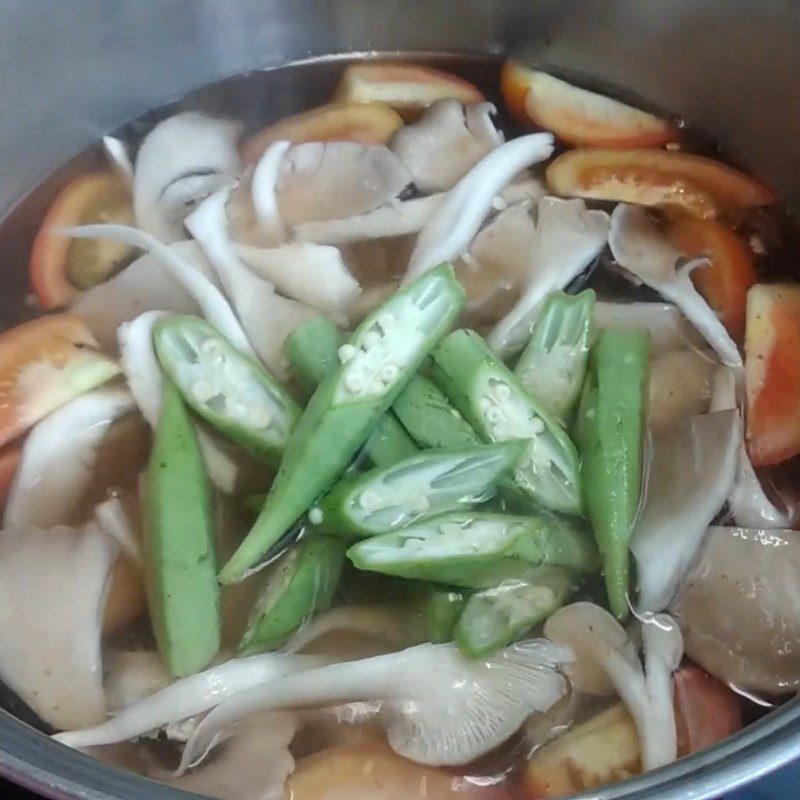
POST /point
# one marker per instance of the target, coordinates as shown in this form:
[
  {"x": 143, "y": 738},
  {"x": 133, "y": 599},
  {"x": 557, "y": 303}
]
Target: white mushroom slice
[
  {"x": 566, "y": 237},
  {"x": 692, "y": 471},
  {"x": 446, "y": 142},
  {"x": 132, "y": 675},
  {"x": 398, "y": 218},
  {"x": 749, "y": 504},
  {"x": 679, "y": 386},
  {"x": 313, "y": 274},
  {"x": 641, "y": 250},
  {"x": 208, "y": 297},
  {"x": 181, "y": 161},
  {"x": 58, "y": 458},
  {"x": 189, "y": 697},
  {"x": 455, "y": 222},
  {"x": 668, "y": 328},
  {"x": 440, "y": 708},
  {"x": 144, "y": 285},
  {"x": 52, "y": 596},
  {"x": 266, "y": 317},
  {"x": 333, "y": 180},
  {"x": 601, "y": 645},
  {"x": 264, "y": 189},
  {"x": 117, "y": 155}
]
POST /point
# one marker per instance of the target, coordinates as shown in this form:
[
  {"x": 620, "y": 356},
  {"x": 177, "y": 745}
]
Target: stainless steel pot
[{"x": 72, "y": 70}]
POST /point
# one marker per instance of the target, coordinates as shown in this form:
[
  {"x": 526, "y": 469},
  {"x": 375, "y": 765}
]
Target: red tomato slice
[
  {"x": 9, "y": 461},
  {"x": 726, "y": 280},
  {"x": 695, "y": 185},
  {"x": 367, "y": 123},
  {"x": 61, "y": 266},
  {"x": 576, "y": 115},
  {"x": 706, "y": 711},
  {"x": 405, "y": 87},
  {"x": 772, "y": 372},
  {"x": 44, "y": 364}
]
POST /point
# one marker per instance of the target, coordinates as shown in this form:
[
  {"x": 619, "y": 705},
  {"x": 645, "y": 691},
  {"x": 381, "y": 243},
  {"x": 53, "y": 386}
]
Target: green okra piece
[
  {"x": 493, "y": 400},
  {"x": 610, "y": 434},
  {"x": 425, "y": 485},
  {"x": 440, "y": 610},
  {"x": 430, "y": 418},
  {"x": 299, "y": 585},
  {"x": 229, "y": 390},
  {"x": 494, "y": 618},
  {"x": 380, "y": 357},
  {"x": 313, "y": 352},
  {"x": 180, "y": 561},
  {"x": 552, "y": 366},
  {"x": 477, "y": 549}
]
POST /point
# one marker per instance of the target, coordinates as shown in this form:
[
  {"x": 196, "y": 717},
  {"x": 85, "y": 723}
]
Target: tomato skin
[
  {"x": 706, "y": 711},
  {"x": 726, "y": 280},
  {"x": 690, "y": 184},
  {"x": 578, "y": 116},
  {"x": 9, "y": 461},
  {"x": 772, "y": 373},
  {"x": 366, "y": 123}
]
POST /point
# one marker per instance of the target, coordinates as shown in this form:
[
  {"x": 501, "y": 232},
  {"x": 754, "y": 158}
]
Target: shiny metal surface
[{"x": 72, "y": 70}]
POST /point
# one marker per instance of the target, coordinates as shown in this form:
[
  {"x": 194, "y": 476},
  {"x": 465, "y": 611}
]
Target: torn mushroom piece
[
  {"x": 264, "y": 191},
  {"x": 266, "y": 317},
  {"x": 645, "y": 253},
  {"x": 605, "y": 659},
  {"x": 52, "y": 592},
  {"x": 458, "y": 218},
  {"x": 58, "y": 459},
  {"x": 692, "y": 471},
  {"x": 739, "y": 609},
  {"x": 439, "y": 708},
  {"x": 749, "y": 504},
  {"x": 446, "y": 142},
  {"x": 181, "y": 161},
  {"x": 180, "y": 700},
  {"x": 565, "y": 237},
  {"x": 333, "y": 180}
]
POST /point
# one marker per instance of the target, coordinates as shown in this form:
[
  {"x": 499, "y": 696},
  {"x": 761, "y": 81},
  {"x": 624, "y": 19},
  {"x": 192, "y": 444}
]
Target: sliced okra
[
  {"x": 552, "y": 366},
  {"x": 382, "y": 354},
  {"x": 229, "y": 390},
  {"x": 477, "y": 550},
  {"x": 422, "y": 486},
  {"x": 491, "y": 397}
]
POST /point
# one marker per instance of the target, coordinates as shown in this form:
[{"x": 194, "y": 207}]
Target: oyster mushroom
[
  {"x": 446, "y": 142},
  {"x": 739, "y": 608},
  {"x": 264, "y": 190},
  {"x": 332, "y": 180},
  {"x": 439, "y": 707},
  {"x": 58, "y": 459},
  {"x": 181, "y": 161},
  {"x": 52, "y": 593},
  {"x": 455, "y": 221},
  {"x": 606, "y": 659},
  {"x": 692, "y": 471},
  {"x": 641, "y": 250}
]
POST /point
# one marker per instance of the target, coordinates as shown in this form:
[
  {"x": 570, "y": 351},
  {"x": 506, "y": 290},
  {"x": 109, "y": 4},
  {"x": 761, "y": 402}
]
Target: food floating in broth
[{"x": 391, "y": 450}]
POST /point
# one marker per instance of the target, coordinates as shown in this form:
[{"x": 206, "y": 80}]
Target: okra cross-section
[
  {"x": 477, "y": 550},
  {"x": 378, "y": 360},
  {"x": 493, "y": 400},
  {"x": 424, "y": 485},
  {"x": 229, "y": 390}
]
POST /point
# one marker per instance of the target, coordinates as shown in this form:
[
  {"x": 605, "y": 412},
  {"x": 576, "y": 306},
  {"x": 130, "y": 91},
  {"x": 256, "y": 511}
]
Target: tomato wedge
[
  {"x": 43, "y": 364},
  {"x": 577, "y": 115},
  {"x": 126, "y": 599},
  {"x": 772, "y": 372},
  {"x": 692, "y": 184},
  {"x": 9, "y": 461},
  {"x": 367, "y": 123},
  {"x": 706, "y": 711},
  {"x": 730, "y": 274},
  {"x": 60, "y": 266},
  {"x": 407, "y": 88}
]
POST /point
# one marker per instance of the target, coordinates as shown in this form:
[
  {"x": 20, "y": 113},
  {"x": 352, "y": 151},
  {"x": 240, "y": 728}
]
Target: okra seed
[
  {"x": 537, "y": 425},
  {"x": 389, "y": 373},
  {"x": 369, "y": 500},
  {"x": 502, "y": 391},
  {"x": 385, "y": 320},
  {"x": 260, "y": 417},
  {"x": 315, "y": 515},
  {"x": 354, "y": 383},
  {"x": 346, "y": 353},
  {"x": 202, "y": 391},
  {"x": 493, "y": 415},
  {"x": 371, "y": 338},
  {"x": 212, "y": 350}
]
